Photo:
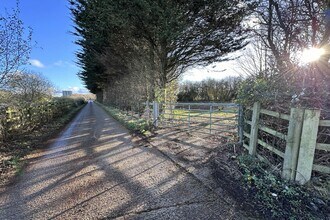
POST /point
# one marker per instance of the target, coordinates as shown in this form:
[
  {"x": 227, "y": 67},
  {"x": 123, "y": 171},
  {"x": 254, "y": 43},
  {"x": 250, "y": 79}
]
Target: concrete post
[{"x": 155, "y": 113}]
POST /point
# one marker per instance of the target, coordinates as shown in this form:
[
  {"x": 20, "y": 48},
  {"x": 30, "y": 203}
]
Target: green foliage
[
  {"x": 224, "y": 90},
  {"x": 16, "y": 163},
  {"x": 168, "y": 94},
  {"x": 255, "y": 90},
  {"x": 279, "y": 199},
  {"x": 26, "y": 118}
]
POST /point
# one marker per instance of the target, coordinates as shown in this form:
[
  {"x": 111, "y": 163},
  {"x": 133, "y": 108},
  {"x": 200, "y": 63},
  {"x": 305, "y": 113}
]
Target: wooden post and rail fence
[{"x": 301, "y": 141}]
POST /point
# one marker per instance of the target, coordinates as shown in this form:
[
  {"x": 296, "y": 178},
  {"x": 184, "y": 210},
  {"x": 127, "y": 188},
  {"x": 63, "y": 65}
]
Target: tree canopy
[{"x": 154, "y": 40}]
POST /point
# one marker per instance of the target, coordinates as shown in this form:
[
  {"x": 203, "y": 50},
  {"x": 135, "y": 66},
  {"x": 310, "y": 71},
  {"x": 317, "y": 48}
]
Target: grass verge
[
  {"x": 134, "y": 124},
  {"x": 16, "y": 148}
]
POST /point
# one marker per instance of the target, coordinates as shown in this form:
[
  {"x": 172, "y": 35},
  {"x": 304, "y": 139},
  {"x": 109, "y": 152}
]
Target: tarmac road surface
[{"x": 93, "y": 170}]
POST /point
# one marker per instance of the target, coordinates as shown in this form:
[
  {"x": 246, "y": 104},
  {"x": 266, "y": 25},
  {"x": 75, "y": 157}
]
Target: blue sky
[{"x": 53, "y": 56}]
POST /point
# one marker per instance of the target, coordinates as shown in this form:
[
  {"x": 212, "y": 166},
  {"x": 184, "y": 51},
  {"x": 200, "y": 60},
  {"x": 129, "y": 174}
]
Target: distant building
[{"x": 66, "y": 93}]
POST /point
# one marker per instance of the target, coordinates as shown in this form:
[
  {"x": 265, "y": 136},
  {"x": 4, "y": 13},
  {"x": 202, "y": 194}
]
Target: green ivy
[{"x": 276, "y": 198}]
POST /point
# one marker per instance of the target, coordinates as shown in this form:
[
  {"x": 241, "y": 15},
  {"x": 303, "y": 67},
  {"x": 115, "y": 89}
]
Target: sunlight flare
[{"x": 311, "y": 55}]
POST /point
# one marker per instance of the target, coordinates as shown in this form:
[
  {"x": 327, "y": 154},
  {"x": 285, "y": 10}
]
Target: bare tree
[
  {"x": 15, "y": 44},
  {"x": 256, "y": 61},
  {"x": 29, "y": 87},
  {"x": 288, "y": 27}
]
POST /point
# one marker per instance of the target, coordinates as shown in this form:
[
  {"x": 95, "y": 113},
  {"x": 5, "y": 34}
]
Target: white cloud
[
  {"x": 214, "y": 71},
  {"x": 62, "y": 63},
  {"x": 37, "y": 63},
  {"x": 59, "y": 63}
]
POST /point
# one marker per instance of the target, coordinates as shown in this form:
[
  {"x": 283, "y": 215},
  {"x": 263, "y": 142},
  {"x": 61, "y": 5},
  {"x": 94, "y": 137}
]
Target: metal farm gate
[{"x": 221, "y": 119}]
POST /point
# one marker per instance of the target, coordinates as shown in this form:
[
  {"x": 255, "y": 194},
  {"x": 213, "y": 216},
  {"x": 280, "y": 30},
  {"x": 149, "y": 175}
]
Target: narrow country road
[{"x": 93, "y": 170}]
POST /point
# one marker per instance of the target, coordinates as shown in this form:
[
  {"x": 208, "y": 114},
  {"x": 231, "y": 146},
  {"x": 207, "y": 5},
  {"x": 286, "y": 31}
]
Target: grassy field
[{"x": 185, "y": 114}]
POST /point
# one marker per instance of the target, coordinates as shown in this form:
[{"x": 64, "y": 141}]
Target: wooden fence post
[
  {"x": 254, "y": 129},
  {"x": 307, "y": 145},
  {"x": 240, "y": 123},
  {"x": 292, "y": 144}
]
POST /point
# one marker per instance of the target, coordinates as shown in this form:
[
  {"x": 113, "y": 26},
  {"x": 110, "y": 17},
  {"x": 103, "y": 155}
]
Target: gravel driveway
[{"x": 94, "y": 170}]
